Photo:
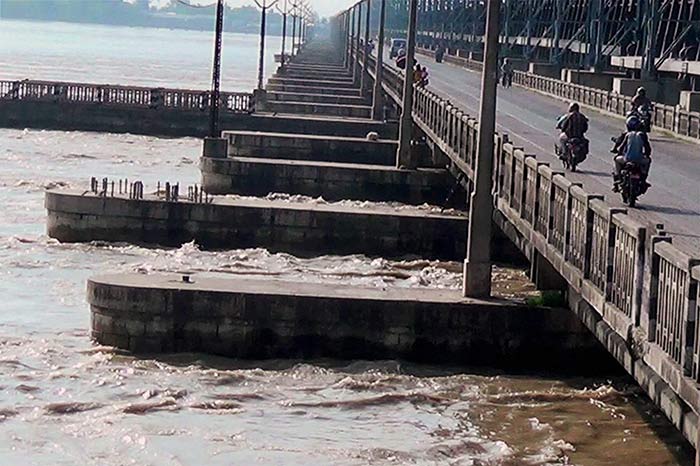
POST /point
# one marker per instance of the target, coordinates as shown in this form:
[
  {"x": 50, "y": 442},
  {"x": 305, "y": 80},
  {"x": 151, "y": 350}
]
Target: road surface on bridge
[{"x": 529, "y": 118}]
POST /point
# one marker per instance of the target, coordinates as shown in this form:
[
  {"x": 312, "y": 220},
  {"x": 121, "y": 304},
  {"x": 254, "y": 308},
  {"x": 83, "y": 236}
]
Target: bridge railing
[
  {"x": 669, "y": 117},
  {"x": 124, "y": 96},
  {"x": 636, "y": 284}
]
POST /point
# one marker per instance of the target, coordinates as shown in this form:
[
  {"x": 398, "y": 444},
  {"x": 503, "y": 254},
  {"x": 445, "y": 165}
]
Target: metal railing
[{"x": 123, "y": 96}]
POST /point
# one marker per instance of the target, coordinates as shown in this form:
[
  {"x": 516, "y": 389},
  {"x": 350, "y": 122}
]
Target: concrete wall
[
  {"x": 308, "y": 97},
  {"x": 352, "y": 111},
  {"x": 545, "y": 69},
  {"x": 255, "y": 319},
  {"x": 666, "y": 91},
  {"x": 311, "y": 147},
  {"x": 300, "y": 229},
  {"x": 332, "y": 182},
  {"x": 91, "y": 117},
  {"x": 597, "y": 80}
]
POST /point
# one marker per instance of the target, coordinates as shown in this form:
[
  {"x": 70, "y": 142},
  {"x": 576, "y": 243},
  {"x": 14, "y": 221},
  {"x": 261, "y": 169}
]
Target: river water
[{"x": 65, "y": 401}]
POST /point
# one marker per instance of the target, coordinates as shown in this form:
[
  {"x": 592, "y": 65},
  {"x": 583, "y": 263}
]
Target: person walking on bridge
[{"x": 506, "y": 73}]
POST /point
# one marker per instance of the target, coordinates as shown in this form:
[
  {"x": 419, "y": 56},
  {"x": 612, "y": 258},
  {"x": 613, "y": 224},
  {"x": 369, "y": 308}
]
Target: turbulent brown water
[{"x": 65, "y": 401}]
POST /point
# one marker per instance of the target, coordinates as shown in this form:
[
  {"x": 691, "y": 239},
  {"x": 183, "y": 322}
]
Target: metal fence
[{"x": 123, "y": 96}]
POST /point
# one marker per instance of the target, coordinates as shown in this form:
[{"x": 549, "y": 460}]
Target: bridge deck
[{"x": 529, "y": 119}]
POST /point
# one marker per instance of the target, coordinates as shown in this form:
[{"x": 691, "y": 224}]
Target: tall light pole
[
  {"x": 284, "y": 31},
  {"x": 294, "y": 25},
  {"x": 263, "y": 15},
  {"x": 403, "y": 155},
  {"x": 364, "y": 82},
  {"x": 216, "y": 73},
  {"x": 477, "y": 267},
  {"x": 378, "y": 100}
]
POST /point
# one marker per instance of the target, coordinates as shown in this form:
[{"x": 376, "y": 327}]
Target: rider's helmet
[
  {"x": 573, "y": 107},
  {"x": 632, "y": 123},
  {"x": 641, "y": 91},
  {"x": 506, "y": 60}
]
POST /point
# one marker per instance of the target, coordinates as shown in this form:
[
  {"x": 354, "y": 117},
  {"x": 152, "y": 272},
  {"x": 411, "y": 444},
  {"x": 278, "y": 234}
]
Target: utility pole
[
  {"x": 216, "y": 73},
  {"x": 263, "y": 15},
  {"x": 284, "y": 32},
  {"x": 477, "y": 267},
  {"x": 403, "y": 154},
  {"x": 358, "y": 70},
  {"x": 294, "y": 25},
  {"x": 364, "y": 82},
  {"x": 378, "y": 100}
]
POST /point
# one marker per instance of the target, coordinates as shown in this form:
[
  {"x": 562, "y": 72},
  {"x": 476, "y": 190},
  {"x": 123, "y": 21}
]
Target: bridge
[{"x": 632, "y": 275}]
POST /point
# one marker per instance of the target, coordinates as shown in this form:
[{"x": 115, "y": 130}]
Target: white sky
[{"x": 322, "y": 7}]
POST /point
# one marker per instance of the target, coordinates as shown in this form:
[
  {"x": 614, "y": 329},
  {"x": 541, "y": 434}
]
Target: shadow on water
[{"x": 682, "y": 451}]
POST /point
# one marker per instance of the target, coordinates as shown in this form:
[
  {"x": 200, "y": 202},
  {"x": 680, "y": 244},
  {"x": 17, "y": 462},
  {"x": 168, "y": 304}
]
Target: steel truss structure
[{"x": 583, "y": 32}]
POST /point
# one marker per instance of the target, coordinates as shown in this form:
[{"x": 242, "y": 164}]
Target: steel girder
[{"x": 585, "y": 32}]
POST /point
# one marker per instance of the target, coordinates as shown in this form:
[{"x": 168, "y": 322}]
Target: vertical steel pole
[
  {"x": 294, "y": 28},
  {"x": 378, "y": 100},
  {"x": 403, "y": 154},
  {"x": 358, "y": 70},
  {"x": 261, "y": 61},
  {"x": 216, "y": 73},
  {"x": 364, "y": 83},
  {"x": 284, "y": 33},
  {"x": 477, "y": 267}
]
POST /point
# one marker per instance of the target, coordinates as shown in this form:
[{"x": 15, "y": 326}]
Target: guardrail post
[{"x": 650, "y": 291}]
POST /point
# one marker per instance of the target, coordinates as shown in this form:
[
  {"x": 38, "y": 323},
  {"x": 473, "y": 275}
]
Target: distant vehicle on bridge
[{"x": 396, "y": 45}]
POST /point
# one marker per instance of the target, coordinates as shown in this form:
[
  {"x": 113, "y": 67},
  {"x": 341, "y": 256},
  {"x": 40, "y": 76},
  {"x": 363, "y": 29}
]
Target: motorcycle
[
  {"x": 575, "y": 152},
  {"x": 644, "y": 115},
  {"x": 631, "y": 183}
]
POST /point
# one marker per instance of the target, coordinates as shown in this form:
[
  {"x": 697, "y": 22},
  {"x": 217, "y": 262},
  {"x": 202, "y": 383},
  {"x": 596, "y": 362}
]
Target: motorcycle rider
[
  {"x": 640, "y": 100},
  {"x": 573, "y": 125},
  {"x": 632, "y": 146}
]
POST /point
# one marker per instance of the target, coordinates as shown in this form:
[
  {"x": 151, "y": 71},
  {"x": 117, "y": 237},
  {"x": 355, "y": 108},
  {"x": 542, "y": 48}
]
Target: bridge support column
[
  {"x": 215, "y": 148},
  {"x": 544, "y": 275},
  {"x": 477, "y": 267}
]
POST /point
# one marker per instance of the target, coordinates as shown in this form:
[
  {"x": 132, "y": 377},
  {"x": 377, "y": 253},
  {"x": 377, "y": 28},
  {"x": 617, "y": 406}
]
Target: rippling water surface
[{"x": 65, "y": 401}]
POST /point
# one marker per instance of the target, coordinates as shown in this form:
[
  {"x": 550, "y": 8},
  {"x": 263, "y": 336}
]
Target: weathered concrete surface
[
  {"x": 309, "y": 97},
  {"x": 310, "y": 147},
  {"x": 353, "y": 111},
  {"x": 331, "y": 181},
  {"x": 314, "y": 125},
  {"x": 281, "y": 87},
  {"x": 91, "y": 117},
  {"x": 276, "y": 319},
  {"x": 308, "y": 82},
  {"x": 303, "y": 229}
]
